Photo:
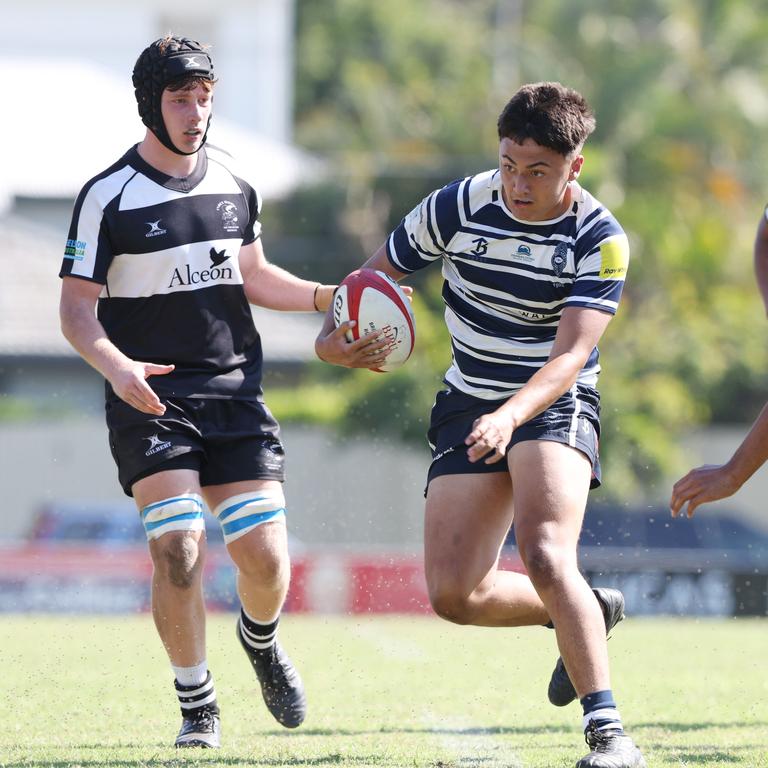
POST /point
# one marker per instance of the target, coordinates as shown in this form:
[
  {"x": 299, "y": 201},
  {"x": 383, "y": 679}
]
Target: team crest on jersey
[
  {"x": 523, "y": 253},
  {"x": 228, "y": 212},
  {"x": 155, "y": 229},
  {"x": 560, "y": 258},
  {"x": 156, "y": 445}
]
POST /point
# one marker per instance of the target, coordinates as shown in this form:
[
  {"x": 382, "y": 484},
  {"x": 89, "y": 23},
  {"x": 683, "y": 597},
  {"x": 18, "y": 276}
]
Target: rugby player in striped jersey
[{"x": 533, "y": 269}]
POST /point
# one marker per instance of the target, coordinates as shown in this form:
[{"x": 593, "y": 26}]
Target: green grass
[{"x": 383, "y": 692}]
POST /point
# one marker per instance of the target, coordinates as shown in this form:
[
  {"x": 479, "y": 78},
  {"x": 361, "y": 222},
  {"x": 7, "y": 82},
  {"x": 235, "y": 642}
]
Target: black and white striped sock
[
  {"x": 258, "y": 636},
  {"x": 195, "y": 697}
]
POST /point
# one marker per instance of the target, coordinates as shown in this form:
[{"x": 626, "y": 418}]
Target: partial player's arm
[
  {"x": 761, "y": 258},
  {"x": 331, "y": 344},
  {"x": 82, "y": 329},
  {"x": 713, "y": 482},
  {"x": 579, "y": 331},
  {"x": 270, "y": 286}
]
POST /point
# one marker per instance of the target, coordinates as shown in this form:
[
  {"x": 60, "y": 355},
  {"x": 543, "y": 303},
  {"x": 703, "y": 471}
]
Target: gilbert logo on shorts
[{"x": 156, "y": 445}]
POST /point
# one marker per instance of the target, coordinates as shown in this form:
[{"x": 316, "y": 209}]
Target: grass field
[{"x": 383, "y": 692}]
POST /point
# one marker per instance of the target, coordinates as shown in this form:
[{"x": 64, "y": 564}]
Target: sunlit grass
[{"x": 383, "y": 692}]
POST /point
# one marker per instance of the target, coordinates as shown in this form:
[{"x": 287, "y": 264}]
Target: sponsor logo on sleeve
[
  {"x": 614, "y": 258},
  {"x": 75, "y": 250}
]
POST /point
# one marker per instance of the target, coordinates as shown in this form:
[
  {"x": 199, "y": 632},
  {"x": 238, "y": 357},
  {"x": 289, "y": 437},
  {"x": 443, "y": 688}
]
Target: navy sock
[{"x": 600, "y": 708}]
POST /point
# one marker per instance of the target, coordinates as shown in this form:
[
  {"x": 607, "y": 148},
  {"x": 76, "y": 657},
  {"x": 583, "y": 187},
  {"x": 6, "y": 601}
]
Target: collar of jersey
[{"x": 183, "y": 184}]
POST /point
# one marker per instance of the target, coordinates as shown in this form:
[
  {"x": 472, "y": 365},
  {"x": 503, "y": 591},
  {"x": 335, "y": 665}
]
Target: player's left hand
[
  {"x": 490, "y": 433},
  {"x": 369, "y": 351},
  {"x": 708, "y": 483}
]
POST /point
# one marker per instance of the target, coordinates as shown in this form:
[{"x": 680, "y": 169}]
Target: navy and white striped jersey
[
  {"x": 507, "y": 281},
  {"x": 166, "y": 252}
]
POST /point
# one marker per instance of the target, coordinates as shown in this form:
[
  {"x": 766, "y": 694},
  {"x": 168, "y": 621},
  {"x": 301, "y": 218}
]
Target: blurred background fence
[{"x": 344, "y": 114}]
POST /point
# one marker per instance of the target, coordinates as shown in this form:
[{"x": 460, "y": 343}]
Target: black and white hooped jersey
[
  {"x": 507, "y": 281},
  {"x": 166, "y": 252}
]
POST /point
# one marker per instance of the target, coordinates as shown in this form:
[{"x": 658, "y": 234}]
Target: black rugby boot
[
  {"x": 281, "y": 685},
  {"x": 610, "y": 749},
  {"x": 200, "y": 728},
  {"x": 561, "y": 691}
]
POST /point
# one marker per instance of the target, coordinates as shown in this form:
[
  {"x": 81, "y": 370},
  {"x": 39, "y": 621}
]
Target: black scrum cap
[{"x": 159, "y": 64}]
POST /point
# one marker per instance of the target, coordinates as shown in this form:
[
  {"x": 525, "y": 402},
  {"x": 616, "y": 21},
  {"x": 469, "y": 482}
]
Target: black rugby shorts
[
  {"x": 573, "y": 419},
  {"x": 226, "y": 441}
]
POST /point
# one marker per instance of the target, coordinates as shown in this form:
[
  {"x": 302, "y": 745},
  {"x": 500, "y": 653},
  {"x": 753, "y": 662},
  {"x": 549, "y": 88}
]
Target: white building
[
  {"x": 70, "y": 108},
  {"x": 252, "y": 48}
]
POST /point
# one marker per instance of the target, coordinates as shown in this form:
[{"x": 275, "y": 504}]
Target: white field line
[
  {"x": 467, "y": 746},
  {"x": 392, "y": 645}
]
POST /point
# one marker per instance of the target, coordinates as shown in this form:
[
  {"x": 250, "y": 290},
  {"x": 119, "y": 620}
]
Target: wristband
[{"x": 314, "y": 298}]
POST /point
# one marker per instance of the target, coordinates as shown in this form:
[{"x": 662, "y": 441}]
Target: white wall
[
  {"x": 339, "y": 492},
  {"x": 715, "y": 445},
  {"x": 252, "y": 46}
]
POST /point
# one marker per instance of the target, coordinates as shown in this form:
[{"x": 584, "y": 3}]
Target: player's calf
[
  {"x": 281, "y": 685},
  {"x": 561, "y": 691}
]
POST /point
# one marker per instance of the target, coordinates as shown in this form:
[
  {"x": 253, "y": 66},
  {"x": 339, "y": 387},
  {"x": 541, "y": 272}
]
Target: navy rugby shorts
[
  {"x": 225, "y": 441},
  {"x": 573, "y": 419}
]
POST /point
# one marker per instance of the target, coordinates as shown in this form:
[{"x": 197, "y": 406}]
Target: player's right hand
[
  {"x": 489, "y": 437},
  {"x": 369, "y": 352},
  {"x": 708, "y": 483},
  {"x": 130, "y": 386}
]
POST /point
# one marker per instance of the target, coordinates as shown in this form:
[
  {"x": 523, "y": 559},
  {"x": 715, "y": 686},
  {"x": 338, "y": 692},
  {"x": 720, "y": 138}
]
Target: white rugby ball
[{"x": 376, "y": 303}]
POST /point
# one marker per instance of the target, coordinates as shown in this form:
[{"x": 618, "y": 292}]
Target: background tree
[{"x": 403, "y": 96}]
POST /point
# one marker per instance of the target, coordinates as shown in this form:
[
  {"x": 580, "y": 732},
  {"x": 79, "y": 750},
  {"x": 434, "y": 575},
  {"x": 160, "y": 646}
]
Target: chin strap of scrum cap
[{"x": 157, "y": 67}]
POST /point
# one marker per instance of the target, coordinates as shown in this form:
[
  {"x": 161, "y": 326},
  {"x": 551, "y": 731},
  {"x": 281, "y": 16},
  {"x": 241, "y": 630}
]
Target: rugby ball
[{"x": 376, "y": 303}]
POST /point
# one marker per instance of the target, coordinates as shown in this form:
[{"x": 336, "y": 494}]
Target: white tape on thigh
[
  {"x": 179, "y": 513},
  {"x": 242, "y": 513}
]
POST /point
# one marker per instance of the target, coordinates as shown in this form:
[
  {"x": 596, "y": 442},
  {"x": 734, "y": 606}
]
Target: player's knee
[
  {"x": 178, "y": 559},
  {"x": 270, "y": 567},
  {"x": 451, "y": 604},
  {"x": 545, "y": 563}
]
